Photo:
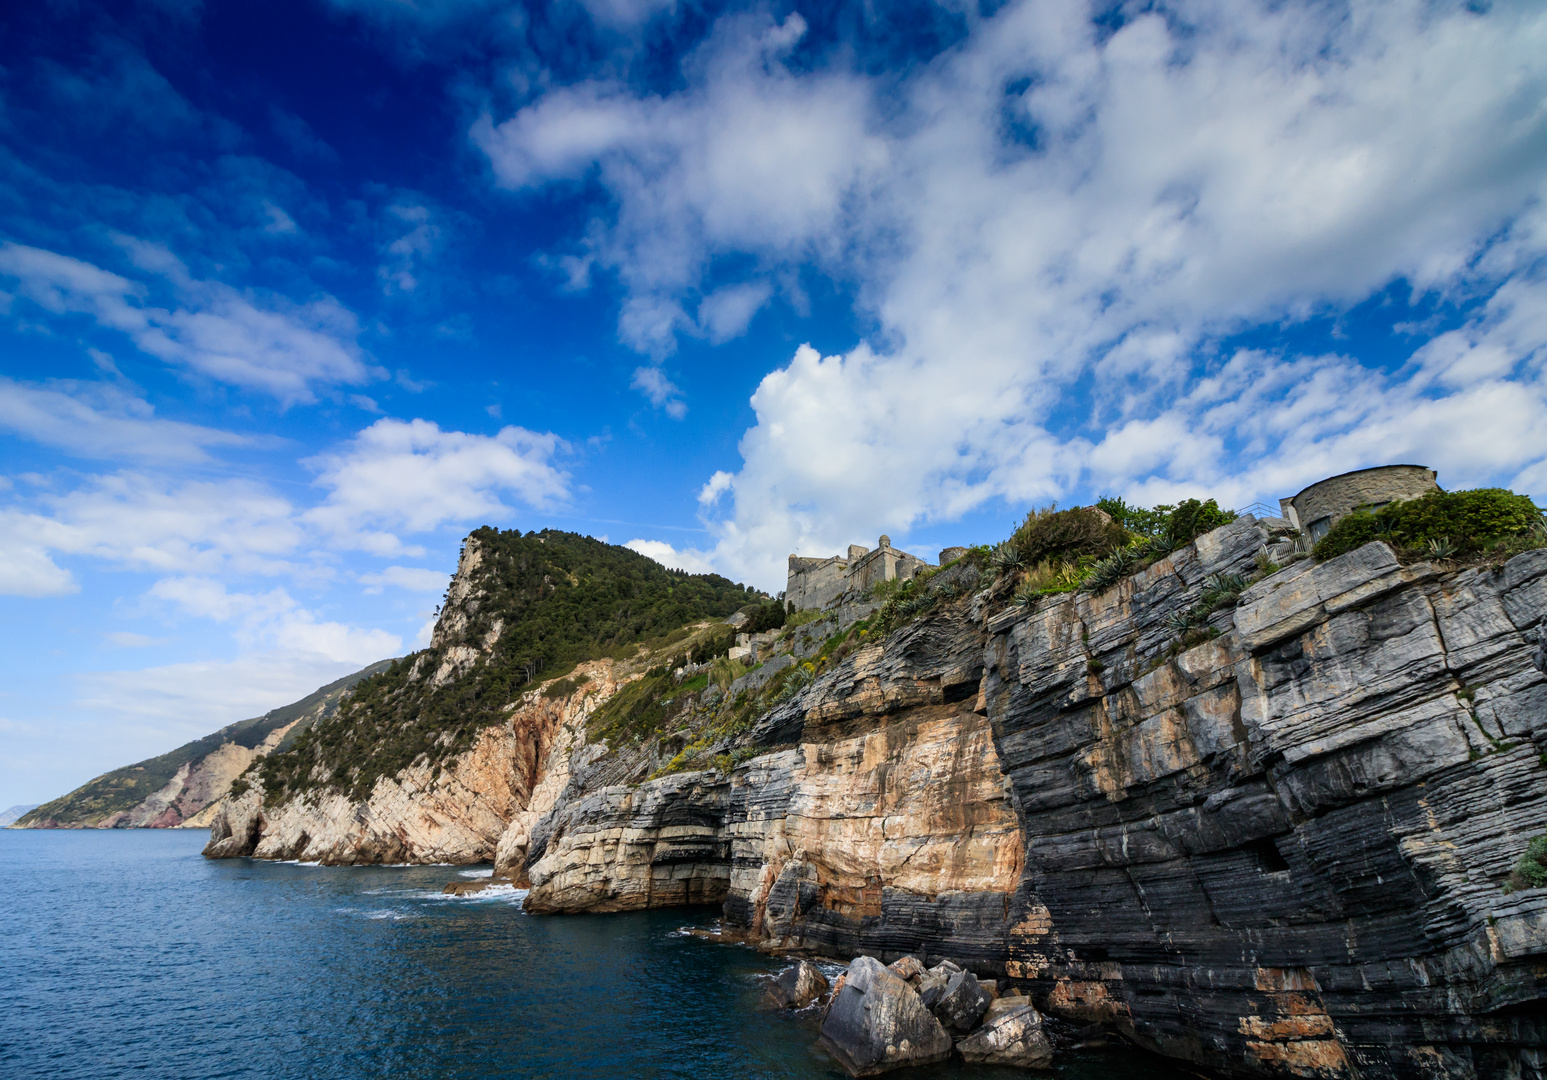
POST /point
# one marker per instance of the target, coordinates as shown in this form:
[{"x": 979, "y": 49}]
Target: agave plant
[
  {"x": 1443, "y": 548},
  {"x": 1106, "y": 573},
  {"x": 1027, "y": 595},
  {"x": 1006, "y": 556},
  {"x": 1181, "y": 621},
  {"x": 1222, "y": 588}
]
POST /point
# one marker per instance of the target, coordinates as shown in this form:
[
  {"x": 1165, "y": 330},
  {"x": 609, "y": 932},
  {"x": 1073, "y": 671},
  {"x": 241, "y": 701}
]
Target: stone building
[
  {"x": 1322, "y": 505},
  {"x": 815, "y": 583}
]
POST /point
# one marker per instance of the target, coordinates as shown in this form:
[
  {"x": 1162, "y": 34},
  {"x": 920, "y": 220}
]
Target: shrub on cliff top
[
  {"x": 1467, "y": 521},
  {"x": 1190, "y": 519},
  {"x": 1050, "y": 535},
  {"x": 1169, "y": 526}
]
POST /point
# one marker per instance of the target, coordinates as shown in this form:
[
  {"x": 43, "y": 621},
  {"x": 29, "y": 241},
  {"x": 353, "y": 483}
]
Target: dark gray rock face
[
  {"x": 1281, "y": 852},
  {"x": 876, "y": 1023},
  {"x": 931, "y": 989},
  {"x": 1011, "y": 1035},
  {"x": 961, "y": 1004},
  {"x": 798, "y": 986}
]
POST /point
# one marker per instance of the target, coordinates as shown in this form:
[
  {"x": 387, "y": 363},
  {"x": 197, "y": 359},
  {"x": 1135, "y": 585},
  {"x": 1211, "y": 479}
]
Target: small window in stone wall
[{"x": 1320, "y": 527}]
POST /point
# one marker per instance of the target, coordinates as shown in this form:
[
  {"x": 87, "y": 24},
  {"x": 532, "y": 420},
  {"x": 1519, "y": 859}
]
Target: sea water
[{"x": 127, "y": 954}]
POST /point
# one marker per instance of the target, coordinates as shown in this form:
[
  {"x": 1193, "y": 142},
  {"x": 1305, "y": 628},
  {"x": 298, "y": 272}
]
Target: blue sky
[{"x": 293, "y": 295}]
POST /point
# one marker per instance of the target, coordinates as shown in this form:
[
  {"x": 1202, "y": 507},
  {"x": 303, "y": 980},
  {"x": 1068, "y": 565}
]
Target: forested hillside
[{"x": 534, "y": 606}]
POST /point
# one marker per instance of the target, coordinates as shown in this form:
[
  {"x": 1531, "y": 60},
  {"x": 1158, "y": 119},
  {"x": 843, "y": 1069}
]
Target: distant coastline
[{"x": 14, "y": 813}]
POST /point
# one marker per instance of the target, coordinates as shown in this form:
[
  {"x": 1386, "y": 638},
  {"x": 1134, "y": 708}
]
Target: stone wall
[
  {"x": 816, "y": 583},
  {"x": 1323, "y": 504},
  {"x": 885, "y": 563}
]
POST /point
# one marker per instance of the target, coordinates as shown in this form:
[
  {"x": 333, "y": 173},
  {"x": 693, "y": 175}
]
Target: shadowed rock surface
[
  {"x": 961, "y": 1004},
  {"x": 1011, "y": 1035},
  {"x": 876, "y": 1023},
  {"x": 798, "y": 986}
]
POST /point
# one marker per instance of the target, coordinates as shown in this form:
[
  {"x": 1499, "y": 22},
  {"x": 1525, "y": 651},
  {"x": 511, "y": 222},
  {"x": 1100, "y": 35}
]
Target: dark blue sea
[{"x": 126, "y": 954}]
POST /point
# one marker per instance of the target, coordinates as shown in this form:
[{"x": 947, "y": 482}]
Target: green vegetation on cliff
[
  {"x": 124, "y": 789},
  {"x": 539, "y": 603},
  {"x": 1444, "y": 524}
]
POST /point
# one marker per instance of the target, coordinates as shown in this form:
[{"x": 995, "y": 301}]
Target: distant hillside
[
  {"x": 522, "y": 608},
  {"x": 10, "y": 815},
  {"x": 175, "y": 788}
]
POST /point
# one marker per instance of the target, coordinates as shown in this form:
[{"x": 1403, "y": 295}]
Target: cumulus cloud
[
  {"x": 1056, "y": 225},
  {"x": 411, "y": 476},
  {"x": 26, "y": 568},
  {"x": 246, "y": 339},
  {"x": 103, "y": 420},
  {"x": 275, "y": 620},
  {"x": 125, "y": 639},
  {"x": 725, "y": 313},
  {"x": 750, "y": 157},
  {"x": 415, "y": 236},
  {"x": 155, "y": 708},
  {"x": 689, "y": 559},
  {"x": 625, "y": 14},
  {"x": 393, "y": 477}
]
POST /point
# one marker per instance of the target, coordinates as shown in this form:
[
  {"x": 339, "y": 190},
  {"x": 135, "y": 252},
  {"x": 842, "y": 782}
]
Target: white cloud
[
  {"x": 412, "y": 476},
  {"x": 246, "y": 339},
  {"x": 1054, "y": 226},
  {"x": 689, "y": 559},
  {"x": 412, "y": 578},
  {"x": 726, "y": 313},
  {"x": 408, "y": 477},
  {"x": 425, "y": 635},
  {"x": 662, "y": 392},
  {"x": 25, "y": 566},
  {"x": 749, "y": 157},
  {"x": 103, "y": 420},
  {"x": 144, "y": 522},
  {"x": 275, "y": 620},
  {"x": 415, "y": 238},
  {"x": 625, "y": 14}
]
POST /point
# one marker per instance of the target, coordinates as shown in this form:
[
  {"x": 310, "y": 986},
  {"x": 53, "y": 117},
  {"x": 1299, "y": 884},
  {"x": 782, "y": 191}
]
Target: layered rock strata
[
  {"x": 1276, "y": 851},
  {"x": 1282, "y": 851}
]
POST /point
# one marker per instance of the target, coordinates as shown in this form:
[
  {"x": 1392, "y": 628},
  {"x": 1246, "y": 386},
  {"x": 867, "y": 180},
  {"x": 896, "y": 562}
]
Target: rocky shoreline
[{"x": 1274, "y": 844}]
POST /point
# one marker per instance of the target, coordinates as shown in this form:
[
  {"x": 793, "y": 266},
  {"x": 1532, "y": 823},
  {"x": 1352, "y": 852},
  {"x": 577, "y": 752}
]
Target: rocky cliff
[
  {"x": 180, "y": 789},
  {"x": 1269, "y": 836}
]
